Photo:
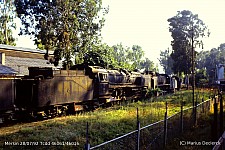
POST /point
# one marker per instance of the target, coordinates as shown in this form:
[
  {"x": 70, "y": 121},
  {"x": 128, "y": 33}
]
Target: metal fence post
[
  {"x": 195, "y": 114},
  {"x": 138, "y": 132},
  {"x": 87, "y": 145},
  {"x": 215, "y": 120},
  {"x": 165, "y": 127},
  {"x": 211, "y": 108},
  {"x": 203, "y": 105},
  {"x": 221, "y": 113},
  {"x": 181, "y": 117}
]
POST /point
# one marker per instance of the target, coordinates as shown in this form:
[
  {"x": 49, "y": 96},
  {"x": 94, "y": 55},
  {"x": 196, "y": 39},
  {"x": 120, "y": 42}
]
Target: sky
[{"x": 144, "y": 23}]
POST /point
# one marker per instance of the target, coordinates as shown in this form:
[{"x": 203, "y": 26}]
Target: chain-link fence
[
  {"x": 127, "y": 141},
  {"x": 156, "y": 135},
  {"x": 218, "y": 123}
]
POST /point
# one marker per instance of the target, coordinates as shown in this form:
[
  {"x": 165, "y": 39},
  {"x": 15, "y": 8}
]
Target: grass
[
  {"x": 104, "y": 124},
  {"x": 201, "y": 134}
]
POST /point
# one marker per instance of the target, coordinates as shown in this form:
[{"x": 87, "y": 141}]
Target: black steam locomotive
[{"x": 48, "y": 92}]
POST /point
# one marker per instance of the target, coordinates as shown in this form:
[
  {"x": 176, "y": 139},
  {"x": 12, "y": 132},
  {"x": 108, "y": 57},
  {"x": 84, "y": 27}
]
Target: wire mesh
[
  {"x": 173, "y": 126},
  {"x": 153, "y": 136},
  {"x": 188, "y": 118},
  {"x": 125, "y": 142}
]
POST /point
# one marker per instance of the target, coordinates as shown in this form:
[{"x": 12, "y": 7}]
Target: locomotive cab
[
  {"x": 100, "y": 80},
  {"x": 101, "y": 83},
  {"x": 103, "y": 77},
  {"x": 164, "y": 82}
]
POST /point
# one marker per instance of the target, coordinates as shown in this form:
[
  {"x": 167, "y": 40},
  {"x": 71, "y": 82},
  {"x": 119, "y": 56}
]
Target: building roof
[
  {"x": 5, "y": 70},
  {"x": 22, "y": 52}
]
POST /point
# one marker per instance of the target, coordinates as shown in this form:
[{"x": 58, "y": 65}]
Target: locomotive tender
[{"x": 48, "y": 92}]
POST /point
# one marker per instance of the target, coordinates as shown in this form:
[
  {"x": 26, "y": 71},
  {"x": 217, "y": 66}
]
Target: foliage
[
  {"x": 124, "y": 57},
  {"x": 208, "y": 60},
  {"x": 148, "y": 65},
  {"x": 135, "y": 55},
  {"x": 72, "y": 30},
  {"x": 120, "y": 54},
  {"x": 100, "y": 55},
  {"x": 153, "y": 92},
  {"x": 7, "y": 16},
  {"x": 117, "y": 56},
  {"x": 166, "y": 61},
  {"x": 66, "y": 26},
  {"x": 201, "y": 77},
  {"x": 186, "y": 30},
  {"x": 94, "y": 59}
]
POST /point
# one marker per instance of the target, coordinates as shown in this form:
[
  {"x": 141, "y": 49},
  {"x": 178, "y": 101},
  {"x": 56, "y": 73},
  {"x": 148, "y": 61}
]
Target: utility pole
[
  {"x": 193, "y": 64},
  {"x": 193, "y": 67}
]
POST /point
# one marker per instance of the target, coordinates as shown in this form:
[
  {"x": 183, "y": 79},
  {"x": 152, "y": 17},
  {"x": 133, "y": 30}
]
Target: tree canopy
[
  {"x": 207, "y": 60},
  {"x": 186, "y": 30},
  {"x": 130, "y": 58},
  {"x": 64, "y": 26},
  {"x": 72, "y": 29},
  {"x": 166, "y": 61},
  {"x": 118, "y": 56},
  {"x": 7, "y": 16}
]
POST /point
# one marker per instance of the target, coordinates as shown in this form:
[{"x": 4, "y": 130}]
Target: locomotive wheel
[
  {"x": 63, "y": 111},
  {"x": 7, "y": 118}
]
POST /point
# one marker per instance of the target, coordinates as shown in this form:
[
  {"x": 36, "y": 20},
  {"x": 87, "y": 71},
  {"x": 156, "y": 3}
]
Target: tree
[
  {"x": 130, "y": 59},
  {"x": 186, "y": 30},
  {"x": 120, "y": 53},
  {"x": 166, "y": 61},
  {"x": 147, "y": 65},
  {"x": 100, "y": 55},
  {"x": 201, "y": 77},
  {"x": 118, "y": 56},
  {"x": 209, "y": 59},
  {"x": 201, "y": 59},
  {"x": 135, "y": 55},
  {"x": 67, "y": 27},
  {"x": 7, "y": 15}
]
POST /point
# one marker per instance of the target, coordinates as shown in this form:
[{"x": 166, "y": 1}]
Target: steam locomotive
[{"x": 47, "y": 92}]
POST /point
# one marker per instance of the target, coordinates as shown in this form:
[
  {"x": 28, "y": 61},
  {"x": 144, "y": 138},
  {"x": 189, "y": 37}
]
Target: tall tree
[
  {"x": 7, "y": 16},
  {"x": 186, "y": 30},
  {"x": 120, "y": 54},
  {"x": 209, "y": 59},
  {"x": 147, "y": 65},
  {"x": 129, "y": 58},
  {"x": 64, "y": 26},
  {"x": 135, "y": 55},
  {"x": 201, "y": 59},
  {"x": 101, "y": 55},
  {"x": 166, "y": 61}
]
